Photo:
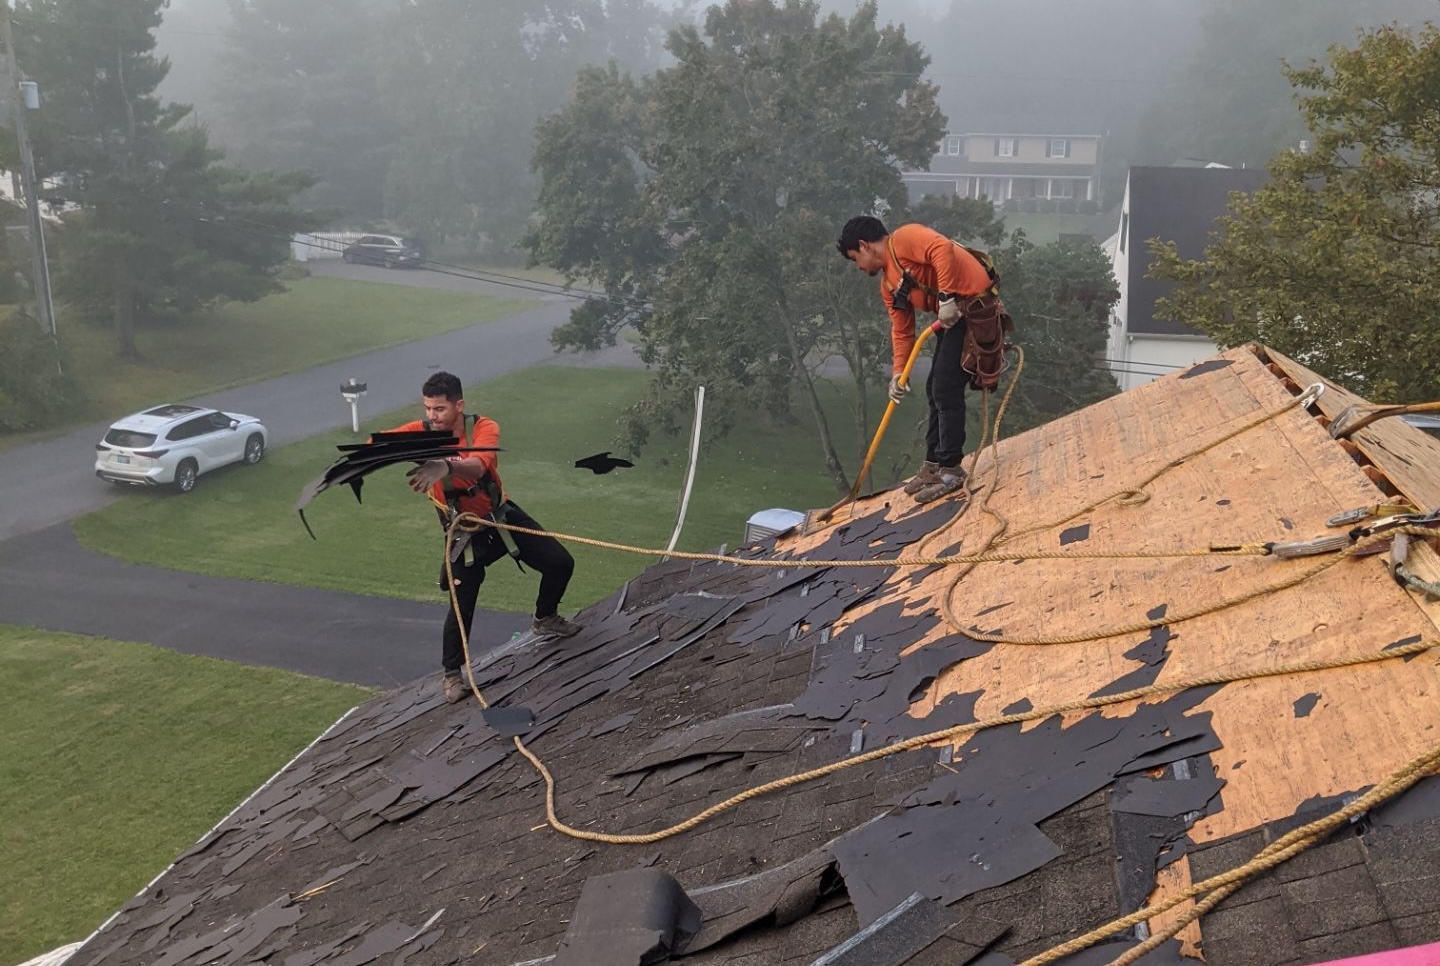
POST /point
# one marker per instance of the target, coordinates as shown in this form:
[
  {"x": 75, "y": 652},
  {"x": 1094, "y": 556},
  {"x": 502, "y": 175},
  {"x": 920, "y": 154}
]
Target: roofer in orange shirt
[
  {"x": 922, "y": 270},
  {"x": 470, "y": 483}
]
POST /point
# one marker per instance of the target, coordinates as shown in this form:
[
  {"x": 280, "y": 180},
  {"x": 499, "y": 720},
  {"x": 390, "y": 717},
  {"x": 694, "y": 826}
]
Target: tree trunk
[
  {"x": 125, "y": 324},
  {"x": 822, "y": 426}
]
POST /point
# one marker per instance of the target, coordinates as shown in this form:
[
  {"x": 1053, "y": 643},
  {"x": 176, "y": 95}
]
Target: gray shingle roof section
[{"x": 1179, "y": 205}]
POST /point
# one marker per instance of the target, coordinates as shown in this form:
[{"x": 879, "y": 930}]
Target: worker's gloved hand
[
  {"x": 948, "y": 311},
  {"x": 427, "y": 474},
  {"x": 897, "y": 391}
]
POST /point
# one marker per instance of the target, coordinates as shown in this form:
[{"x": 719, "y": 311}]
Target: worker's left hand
[
  {"x": 427, "y": 474},
  {"x": 948, "y": 312}
]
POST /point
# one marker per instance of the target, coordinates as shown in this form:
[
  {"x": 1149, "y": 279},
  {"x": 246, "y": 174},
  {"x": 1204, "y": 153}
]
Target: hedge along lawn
[
  {"x": 115, "y": 758},
  {"x": 239, "y": 522},
  {"x": 314, "y": 322}
]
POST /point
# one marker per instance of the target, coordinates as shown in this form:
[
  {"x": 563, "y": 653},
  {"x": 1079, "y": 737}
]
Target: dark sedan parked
[{"x": 392, "y": 251}]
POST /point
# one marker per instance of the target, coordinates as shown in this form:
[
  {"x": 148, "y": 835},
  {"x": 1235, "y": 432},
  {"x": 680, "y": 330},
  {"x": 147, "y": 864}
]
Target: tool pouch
[{"x": 982, "y": 355}]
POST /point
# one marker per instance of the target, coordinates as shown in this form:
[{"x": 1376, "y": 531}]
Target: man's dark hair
[
  {"x": 443, "y": 384},
  {"x": 860, "y": 228}
]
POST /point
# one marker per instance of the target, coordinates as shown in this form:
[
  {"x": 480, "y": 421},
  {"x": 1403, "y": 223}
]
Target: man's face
[
  {"x": 869, "y": 257},
  {"x": 444, "y": 414}
]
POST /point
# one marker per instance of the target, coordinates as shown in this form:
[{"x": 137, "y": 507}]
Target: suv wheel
[
  {"x": 254, "y": 449},
  {"x": 390, "y": 261},
  {"x": 185, "y": 476}
]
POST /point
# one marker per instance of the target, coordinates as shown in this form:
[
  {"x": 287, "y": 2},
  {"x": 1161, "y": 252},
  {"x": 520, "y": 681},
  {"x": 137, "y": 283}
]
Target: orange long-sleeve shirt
[
  {"x": 935, "y": 262},
  {"x": 485, "y": 432}
]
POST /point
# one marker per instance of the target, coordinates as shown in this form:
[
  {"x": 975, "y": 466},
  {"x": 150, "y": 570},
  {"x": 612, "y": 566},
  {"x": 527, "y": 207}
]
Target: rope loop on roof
[{"x": 553, "y": 819}]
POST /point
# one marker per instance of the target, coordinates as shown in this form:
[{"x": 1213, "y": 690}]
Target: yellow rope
[
  {"x": 553, "y": 818},
  {"x": 472, "y": 522},
  {"x": 1361, "y": 546},
  {"x": 1272, "y": 855}
]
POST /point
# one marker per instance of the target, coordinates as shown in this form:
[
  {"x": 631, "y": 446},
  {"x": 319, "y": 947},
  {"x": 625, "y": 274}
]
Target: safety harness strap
[{"x": 499, "y": 508}]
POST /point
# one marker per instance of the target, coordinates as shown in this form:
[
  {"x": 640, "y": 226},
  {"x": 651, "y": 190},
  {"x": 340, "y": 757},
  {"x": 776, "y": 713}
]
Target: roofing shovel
[
  {"x": 814, "y": 518},
  {"x": 1352, "y": 418}
]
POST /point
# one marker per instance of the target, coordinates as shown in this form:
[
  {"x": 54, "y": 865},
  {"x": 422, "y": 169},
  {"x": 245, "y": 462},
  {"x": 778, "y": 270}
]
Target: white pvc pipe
[{"x": 690, "y": 472}]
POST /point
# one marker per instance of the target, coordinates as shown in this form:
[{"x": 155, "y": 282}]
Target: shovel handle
[{"x": 854, "y": 493}]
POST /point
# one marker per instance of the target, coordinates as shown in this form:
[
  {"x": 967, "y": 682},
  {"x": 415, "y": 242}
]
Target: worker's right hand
[
  {"x": 897, "y": 388},
  {"x": 427, "y": 474}
]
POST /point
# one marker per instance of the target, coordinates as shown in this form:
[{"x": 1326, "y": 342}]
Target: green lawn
[
  {"x": 317, "y": 321},
  {"x": 1042, "y": 229},
  {"x": 240, "y": 523},
  {"x": 116, "y": 757}
]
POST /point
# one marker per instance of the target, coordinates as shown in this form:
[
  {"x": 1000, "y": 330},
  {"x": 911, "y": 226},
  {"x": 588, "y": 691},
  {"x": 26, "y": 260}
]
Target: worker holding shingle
[
  {"x": 470, "y": 483},
  {"x": 922, "y": 270}
]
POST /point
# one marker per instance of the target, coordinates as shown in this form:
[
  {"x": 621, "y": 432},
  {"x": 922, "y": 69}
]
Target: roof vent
[{"x": 765, "y": 524}]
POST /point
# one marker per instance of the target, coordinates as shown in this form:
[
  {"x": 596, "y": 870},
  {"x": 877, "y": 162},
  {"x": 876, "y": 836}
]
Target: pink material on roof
[{"x": 1428, "y": 955}]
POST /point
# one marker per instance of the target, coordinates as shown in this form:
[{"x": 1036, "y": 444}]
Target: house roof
[
  {"x": 1179, "y": 205},
  {"x": 950, "y": 166},
  {"x": 413, "y": 831}
]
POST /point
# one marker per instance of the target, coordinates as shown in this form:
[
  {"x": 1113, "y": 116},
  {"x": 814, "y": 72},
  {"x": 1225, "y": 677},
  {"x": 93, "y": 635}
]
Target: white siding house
[{"x": 1178, "y": 204}]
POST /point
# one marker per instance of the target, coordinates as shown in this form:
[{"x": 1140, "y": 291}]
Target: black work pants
[
  {"x": 945, "y": 393},
  {"x": 545, "y": 555}
]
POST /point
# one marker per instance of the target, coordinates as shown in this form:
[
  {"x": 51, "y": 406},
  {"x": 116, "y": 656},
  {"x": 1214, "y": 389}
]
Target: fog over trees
[
  {"x": 422, "y": 112},
  {"x": 692, "y": 159}
]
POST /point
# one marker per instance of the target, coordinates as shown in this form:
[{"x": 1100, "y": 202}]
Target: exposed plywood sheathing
[{"x": 1280, "y": 481}]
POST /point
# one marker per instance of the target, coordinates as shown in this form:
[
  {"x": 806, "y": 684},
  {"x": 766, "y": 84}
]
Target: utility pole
[{"x": 20, "y": 95}]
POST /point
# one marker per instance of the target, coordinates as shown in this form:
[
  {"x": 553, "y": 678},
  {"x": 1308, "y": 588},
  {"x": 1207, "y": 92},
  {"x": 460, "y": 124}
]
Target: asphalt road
[
  {"x": 49, "y": 482},
  {"x": 48, "y": 580}
]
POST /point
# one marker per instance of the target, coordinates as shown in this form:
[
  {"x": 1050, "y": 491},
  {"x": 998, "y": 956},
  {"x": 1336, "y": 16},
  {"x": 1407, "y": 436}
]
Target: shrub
[
  {"x": 1066, "y": 206},
  {"x": 1088, "y": 207},
  {"x": 32, "y": 393},
  {"x": 1012, "y": 204}
]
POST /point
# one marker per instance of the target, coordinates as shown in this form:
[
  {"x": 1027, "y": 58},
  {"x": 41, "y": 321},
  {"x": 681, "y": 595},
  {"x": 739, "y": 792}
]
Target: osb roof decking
[{"x": 413, "y": 833}]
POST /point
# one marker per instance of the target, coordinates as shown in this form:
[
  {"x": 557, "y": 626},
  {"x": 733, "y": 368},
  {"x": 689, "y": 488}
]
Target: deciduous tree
[
  {"x": 1333, "y": 261},
  {"x": 707, "y": 198}
]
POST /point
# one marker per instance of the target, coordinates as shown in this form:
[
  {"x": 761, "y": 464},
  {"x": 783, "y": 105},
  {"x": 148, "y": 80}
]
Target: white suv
[{"x": 173, "y": 444}]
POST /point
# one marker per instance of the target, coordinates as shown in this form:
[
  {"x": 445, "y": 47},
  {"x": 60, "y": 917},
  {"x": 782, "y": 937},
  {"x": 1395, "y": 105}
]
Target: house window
[
  {"x": 953, "y": 145},
  {"x": 1059, "y": 147},
  {"x": 1004, "y": 147},
  {"x": 1124, "y": 229}
]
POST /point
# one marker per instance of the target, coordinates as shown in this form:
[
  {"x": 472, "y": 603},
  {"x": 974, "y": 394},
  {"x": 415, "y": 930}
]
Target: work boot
[
  {"x": 554, "y": 627},
  {"x": 951, "y": 478},
  {"x": 929, "y": 473},
  {"x": 454, "y": 686}
]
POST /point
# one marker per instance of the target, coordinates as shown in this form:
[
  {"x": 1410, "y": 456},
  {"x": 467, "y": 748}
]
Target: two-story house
[
  {"x": 1178, "y": 204},
  {"x": 1001, "y": 162}
]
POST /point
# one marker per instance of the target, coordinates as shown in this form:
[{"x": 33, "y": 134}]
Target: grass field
[
  {"x": 240, "y": 523},
  {"x": 1042, "y": 229},
  {"x": 116, "y": 757},
  {"x": 318, "y": 320}
]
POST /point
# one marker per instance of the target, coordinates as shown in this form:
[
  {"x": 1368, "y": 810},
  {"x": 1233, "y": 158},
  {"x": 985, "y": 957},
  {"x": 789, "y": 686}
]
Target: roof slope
[
  {"x": 1179, "y": 205},
  {"x": 413, "y": 833}
]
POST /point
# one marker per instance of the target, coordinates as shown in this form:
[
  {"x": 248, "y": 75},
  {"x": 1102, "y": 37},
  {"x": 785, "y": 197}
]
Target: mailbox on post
[{"x": 352, "y": 390}]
